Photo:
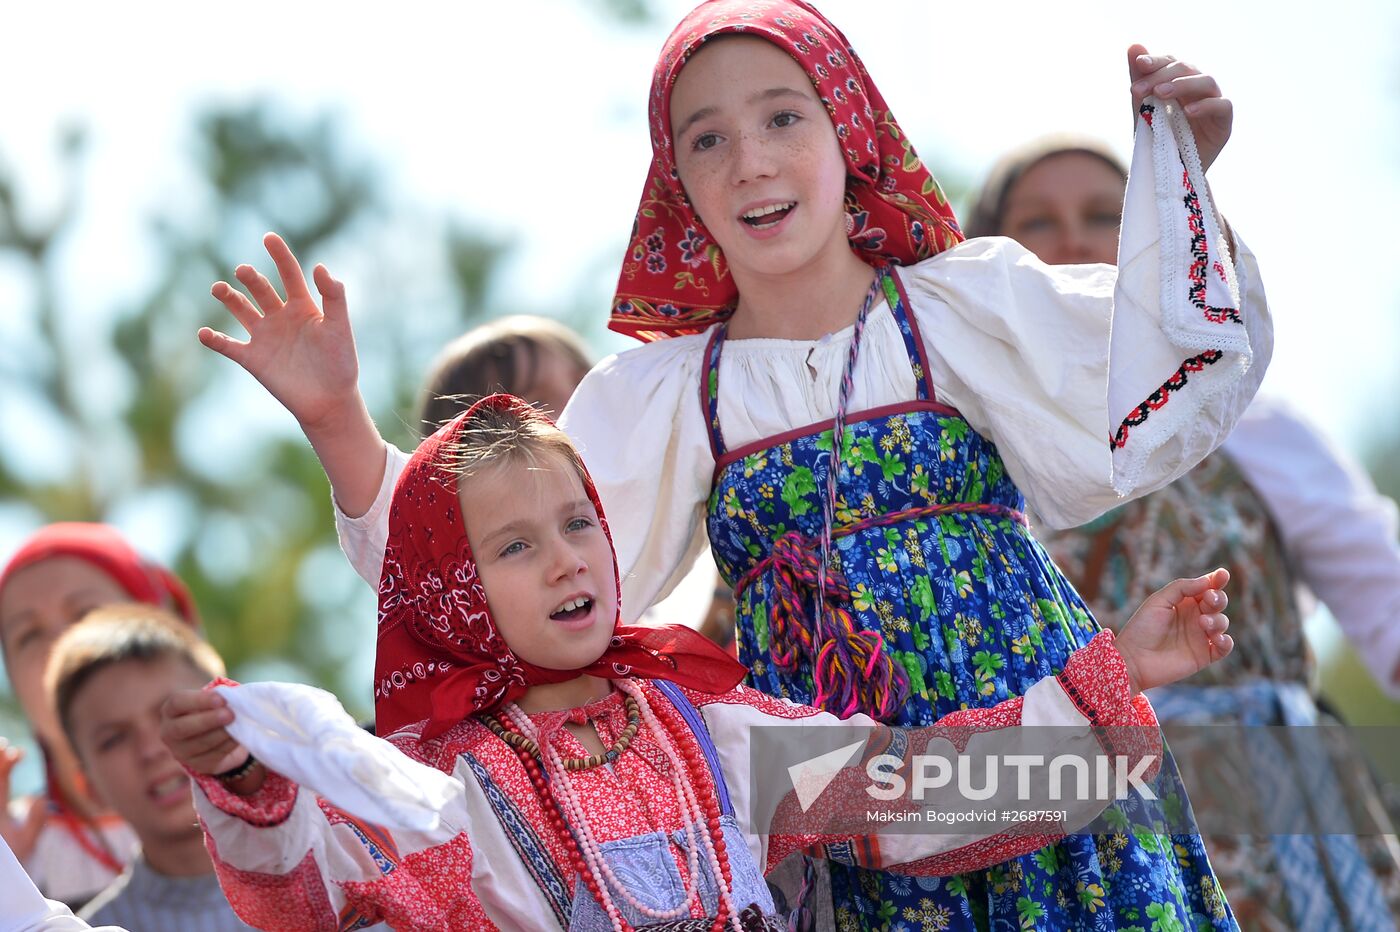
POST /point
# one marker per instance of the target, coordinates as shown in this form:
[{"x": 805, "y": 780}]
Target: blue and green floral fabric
[{"x": 973, "y": 608}]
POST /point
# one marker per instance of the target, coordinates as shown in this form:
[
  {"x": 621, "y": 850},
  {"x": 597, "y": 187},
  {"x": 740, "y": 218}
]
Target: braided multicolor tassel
[{"x": 851, "y": 669}]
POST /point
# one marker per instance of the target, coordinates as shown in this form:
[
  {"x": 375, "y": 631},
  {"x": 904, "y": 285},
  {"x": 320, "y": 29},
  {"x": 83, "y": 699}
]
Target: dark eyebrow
[{"x": 769, "y": 94}]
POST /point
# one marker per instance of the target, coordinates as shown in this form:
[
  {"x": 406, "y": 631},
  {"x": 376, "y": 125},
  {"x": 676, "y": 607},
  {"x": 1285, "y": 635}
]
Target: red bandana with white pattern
[
  {"x": 439, "y": 656},
  {"x": 674, "y": 278}
]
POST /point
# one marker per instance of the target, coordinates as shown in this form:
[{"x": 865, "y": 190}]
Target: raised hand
[
  {"x": 1210, "y": 114},
  {"x": 20, "y": 834},
  {"x": 1179, "y": 630},
  {"x": 302, "y": 353}
]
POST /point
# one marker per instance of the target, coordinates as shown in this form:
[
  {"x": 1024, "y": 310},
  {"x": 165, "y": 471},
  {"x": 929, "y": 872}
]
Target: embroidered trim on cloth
[
  {"x": 1173, "y": 143},
  {"x": 1161, "y": 396},
  {"x": 528, "y": 845},
  {"x": 378, "y": 843}
]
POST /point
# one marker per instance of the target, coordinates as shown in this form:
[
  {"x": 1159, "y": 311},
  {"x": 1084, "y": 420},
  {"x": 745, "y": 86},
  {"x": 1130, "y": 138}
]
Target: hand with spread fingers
[
  {"x": 1210, "y": 114},
  {"x": 1178, "y": 631},
  {"x": 301, "y": 354},
  {"x": 304, "y": 355}
]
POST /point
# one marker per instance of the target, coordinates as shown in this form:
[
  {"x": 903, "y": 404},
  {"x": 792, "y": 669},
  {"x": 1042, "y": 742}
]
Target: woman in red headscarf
[
  {"x": 599, "y": 772},
  {"x": 66, "y": 842}
]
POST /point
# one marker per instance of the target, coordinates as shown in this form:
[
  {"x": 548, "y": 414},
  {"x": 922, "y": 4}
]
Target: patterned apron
[
  {"x": 928, "y": 548},
  {"x": 645, "y": 863}
]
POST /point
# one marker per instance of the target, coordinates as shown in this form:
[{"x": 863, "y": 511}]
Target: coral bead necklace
[{"x": 695, "y": 796}]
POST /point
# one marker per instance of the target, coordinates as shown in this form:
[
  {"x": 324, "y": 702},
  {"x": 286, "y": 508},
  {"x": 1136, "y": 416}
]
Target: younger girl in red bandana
[{"x": 600, "y": 773}]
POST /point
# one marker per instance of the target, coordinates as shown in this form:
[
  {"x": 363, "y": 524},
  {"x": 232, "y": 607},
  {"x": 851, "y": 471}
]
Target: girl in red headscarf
[
  {"x": 64, "y": 839},
  {"x": 600, "y": 769},
  {"x": 854, "y": 408}
]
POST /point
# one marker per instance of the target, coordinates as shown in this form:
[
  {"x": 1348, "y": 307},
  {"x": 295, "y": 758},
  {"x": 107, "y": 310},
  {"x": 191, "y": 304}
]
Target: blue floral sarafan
[{"x": 971, "y": 607}]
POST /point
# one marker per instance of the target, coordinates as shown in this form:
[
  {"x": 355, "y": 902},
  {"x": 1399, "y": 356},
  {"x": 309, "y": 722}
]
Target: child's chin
[{"x": 584, "y": 651}]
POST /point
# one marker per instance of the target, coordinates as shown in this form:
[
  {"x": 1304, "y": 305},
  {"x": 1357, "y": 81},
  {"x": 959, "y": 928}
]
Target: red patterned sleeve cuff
[
  {"x": 1096, "y": 680},
  {"x": 270, "y": 805}
]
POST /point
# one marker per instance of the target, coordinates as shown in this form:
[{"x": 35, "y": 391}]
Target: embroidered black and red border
[
  {"x": 1200, "y": 255},
  {"x": 1196, "y": 223},
  {"x": 1161, "y": 396}
]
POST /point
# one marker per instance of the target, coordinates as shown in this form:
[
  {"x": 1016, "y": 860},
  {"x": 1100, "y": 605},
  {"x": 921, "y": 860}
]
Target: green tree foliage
[{"x": 245, "y": 500}]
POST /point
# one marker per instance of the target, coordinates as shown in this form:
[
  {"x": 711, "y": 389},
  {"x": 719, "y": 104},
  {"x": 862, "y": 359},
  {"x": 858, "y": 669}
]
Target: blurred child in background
[
  {"x": 107, "y": 678},
  {"x": 70, "y": 844},
  {"x": 534, "y": 358}
]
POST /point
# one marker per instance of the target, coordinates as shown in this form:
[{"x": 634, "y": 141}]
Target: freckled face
[
  {"x": 1066, "y": 209},
  {"x": 758, "y": 157}
]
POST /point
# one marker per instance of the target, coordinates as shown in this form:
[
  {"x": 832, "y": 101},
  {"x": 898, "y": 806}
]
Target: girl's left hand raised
[{"x": 1210, "y": 114}]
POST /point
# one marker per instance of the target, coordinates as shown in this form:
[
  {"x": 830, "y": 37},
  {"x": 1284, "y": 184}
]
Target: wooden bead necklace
[{"x": 523, "y": 742}]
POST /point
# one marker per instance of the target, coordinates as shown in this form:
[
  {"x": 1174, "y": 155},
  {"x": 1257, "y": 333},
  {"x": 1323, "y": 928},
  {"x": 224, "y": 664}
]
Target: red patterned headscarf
[
  {"x": 439, "y": 655},
  {"x": 674, "y": 278},
  {"x": 108, "y": 551}
]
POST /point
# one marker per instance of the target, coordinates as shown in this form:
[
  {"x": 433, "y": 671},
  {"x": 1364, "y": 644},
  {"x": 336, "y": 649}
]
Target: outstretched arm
[
  {"x": 1093, "y": 707},
  {"x": 304, "y": 355},
  {"x": 289, "y": 859}
]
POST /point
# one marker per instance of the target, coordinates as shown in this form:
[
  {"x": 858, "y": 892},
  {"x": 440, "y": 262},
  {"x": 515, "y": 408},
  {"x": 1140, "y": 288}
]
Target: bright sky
[
  {"x": 530, "y": 120},
  {"x": 535, "y": 127}
]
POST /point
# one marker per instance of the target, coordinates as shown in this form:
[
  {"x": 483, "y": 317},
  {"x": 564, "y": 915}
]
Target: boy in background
[{"x": 107, "y": 677}]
